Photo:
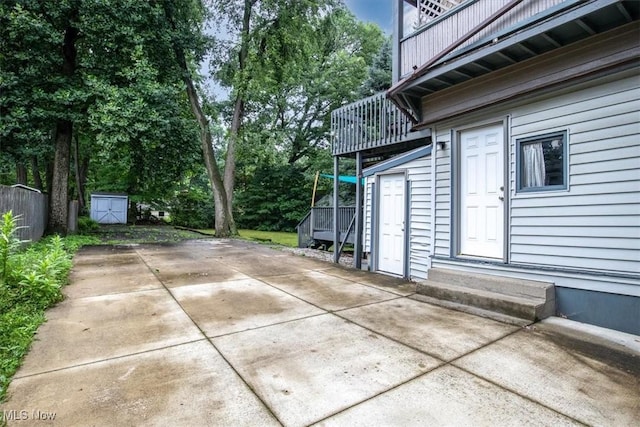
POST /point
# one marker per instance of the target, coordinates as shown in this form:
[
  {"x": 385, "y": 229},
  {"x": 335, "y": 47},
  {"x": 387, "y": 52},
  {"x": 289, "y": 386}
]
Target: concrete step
[
  {"x": 502, "y": 285},
  {"x": 517, "y": 321},
  {"x": 528, "y": 308},
  {"x": 523, "y": 299}
]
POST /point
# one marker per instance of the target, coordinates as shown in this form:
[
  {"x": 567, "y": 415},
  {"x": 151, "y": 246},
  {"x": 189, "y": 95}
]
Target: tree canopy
[{"x": 105, "y": 95}]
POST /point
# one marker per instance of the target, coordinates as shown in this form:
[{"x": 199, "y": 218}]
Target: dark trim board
[
  {"x": 613, "y": 311},
  {"x": 549, "y": 71},
  {"x": 398, "y": 161}
]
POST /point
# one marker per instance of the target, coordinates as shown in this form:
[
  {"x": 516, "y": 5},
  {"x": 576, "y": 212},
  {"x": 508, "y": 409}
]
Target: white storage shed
[{"x": 109, "y": 208}]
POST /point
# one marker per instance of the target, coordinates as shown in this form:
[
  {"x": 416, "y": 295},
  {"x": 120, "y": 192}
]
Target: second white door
[
  {"x": 391, "y": 224},
  {"x": 482, "y": 192}
]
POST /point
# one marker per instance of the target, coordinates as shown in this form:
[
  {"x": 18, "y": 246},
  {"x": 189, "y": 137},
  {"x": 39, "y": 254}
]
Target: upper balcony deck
[
  {"x": 372, "y": 124},
  {"x": 428, "y": 27}
]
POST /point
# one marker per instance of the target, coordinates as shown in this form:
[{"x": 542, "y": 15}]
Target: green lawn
[{"x": 277, "y": 237}]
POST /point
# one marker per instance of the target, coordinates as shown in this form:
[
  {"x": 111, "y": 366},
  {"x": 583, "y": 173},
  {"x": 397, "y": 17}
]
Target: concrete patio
[{"x": 225, "y": 332}]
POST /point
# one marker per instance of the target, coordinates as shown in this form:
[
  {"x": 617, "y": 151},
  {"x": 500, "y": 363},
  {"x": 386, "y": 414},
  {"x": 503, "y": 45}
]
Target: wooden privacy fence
[{"x": 30, "y": 205}]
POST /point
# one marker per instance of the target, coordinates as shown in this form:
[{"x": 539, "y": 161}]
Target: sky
[{"x": 378, "y": 11}]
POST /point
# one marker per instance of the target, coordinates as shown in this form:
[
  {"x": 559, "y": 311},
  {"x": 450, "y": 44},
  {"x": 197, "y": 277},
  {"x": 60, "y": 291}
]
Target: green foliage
[
  {"x": 87, "y": 225},
  {"x": 124, "y": 96},
  {"x": 379, "y": 73},
  {"x": 275, "y": 199},
  {"x": 9, "y": 243},
  {"x": 192, "y": 208},
  {"x": 31, "y": 282}
]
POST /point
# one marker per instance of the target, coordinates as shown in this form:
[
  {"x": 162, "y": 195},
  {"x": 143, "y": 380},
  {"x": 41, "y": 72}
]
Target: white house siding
[
  {"x": 443, "y": 195},
  {"x": 419, "y": 232},
  {"x": 595, "y": 224},
  {"x": 419, "y": 174}
]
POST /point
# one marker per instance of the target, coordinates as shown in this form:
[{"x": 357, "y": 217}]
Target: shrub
[
  {"x": 275, "y": 199},
  {"x": 30, "y": 281},
  {"x": 87, "y": 225},
  {"x": 193, "y": 209}
]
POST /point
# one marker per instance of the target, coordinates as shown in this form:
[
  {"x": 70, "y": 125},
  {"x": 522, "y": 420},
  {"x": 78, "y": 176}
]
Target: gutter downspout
[{"x": 392, "y": 93}]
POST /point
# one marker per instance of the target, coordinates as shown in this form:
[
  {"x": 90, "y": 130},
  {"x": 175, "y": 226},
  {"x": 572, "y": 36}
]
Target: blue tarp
[{"x": 343, "y": 178}]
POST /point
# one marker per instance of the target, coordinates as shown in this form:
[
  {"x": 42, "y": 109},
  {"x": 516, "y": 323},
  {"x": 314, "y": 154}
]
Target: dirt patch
[{"x": 114, "y": 234}]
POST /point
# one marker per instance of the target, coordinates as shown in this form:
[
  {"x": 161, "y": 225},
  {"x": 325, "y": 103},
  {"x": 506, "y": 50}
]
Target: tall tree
[
  {"x": 286, "y": 129},
  {"x": 379, "y": 72},
  {"x": 184, "y": 22},
  {"x": 92, "y": 67}
]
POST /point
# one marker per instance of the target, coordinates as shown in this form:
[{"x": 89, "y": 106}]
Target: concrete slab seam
[
  {"x": 267, "y": 407},
  {"x": 444, "y": 364},
  {"x": 453, "y": 361},
  {"x": 305, "y": 301},
  {"x": 108, "y": 359},
  {"x": 369, "y": 286},
  {"x": 435, "y": 368},
  {"x": 393, "y": 298},
  {"x": 284, "y": 322},
  {"x": 251, "y": 389},
  {"x": 137, "y": 291},
  {"x": 530, "y": 399}
]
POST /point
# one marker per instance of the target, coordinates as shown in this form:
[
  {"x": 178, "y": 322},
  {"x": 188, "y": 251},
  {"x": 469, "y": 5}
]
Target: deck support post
[
  {"x": 398, "y": 34},
  {"x": 336, "y": 200},
  {"x": 357, "y": 244}
]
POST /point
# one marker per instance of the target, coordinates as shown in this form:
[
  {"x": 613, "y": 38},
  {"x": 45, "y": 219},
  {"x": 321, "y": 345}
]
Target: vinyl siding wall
[
  {"x": 595, "y": 224},
  {"x": 443, "y": 195},
  {"x": 419, "y": 232}
]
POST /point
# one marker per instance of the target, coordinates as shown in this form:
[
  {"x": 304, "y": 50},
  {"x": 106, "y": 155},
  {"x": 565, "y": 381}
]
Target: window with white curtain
[{"x": 542, "y": 162}]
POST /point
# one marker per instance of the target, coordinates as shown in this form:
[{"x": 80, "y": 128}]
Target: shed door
[
  {"x": 482, "y": 192},
  {"x": 391, "y": 224},
  {"x": 110, "y": 210}
]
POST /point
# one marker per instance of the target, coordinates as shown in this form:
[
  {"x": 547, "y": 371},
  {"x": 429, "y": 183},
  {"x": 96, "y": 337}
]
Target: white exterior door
[
  {"x": 391, "y": 224},
  {"x": 482, "y": 192}
]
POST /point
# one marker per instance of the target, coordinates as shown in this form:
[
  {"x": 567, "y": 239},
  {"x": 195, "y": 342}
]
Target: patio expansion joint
[
  {"x": 257, "y": 328},
  {"x": 368, "y": 285},
  {"x": 135, "y": 291},
  {"x": 392, "y": 296},
  {"x": 446, "y": 363},
  {"x": 249, "y": 386},
  {"x": 108, "y": 359},
  {"x": 257, "y": 396}
]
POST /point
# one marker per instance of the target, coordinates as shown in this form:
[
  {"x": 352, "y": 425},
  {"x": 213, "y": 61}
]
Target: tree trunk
[
  {"x": 223, "y": 215},
  {"x": 21, "y": 173},
  {"x": 80, "y": 173},
  {"x": 35, "y": 169},
  {"x": 238, "y": 113},
  {"x": 59, "y": 196},
  {"x": 224, "y": 223}
]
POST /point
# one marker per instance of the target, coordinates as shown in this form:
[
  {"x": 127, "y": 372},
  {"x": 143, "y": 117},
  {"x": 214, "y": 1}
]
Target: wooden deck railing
[
  {"x": 367, "y": 124},
  {"x": 319, "y": 222}
]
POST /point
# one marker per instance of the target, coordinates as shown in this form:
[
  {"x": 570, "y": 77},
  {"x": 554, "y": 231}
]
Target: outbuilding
[{"x": 109, "y": 208}]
